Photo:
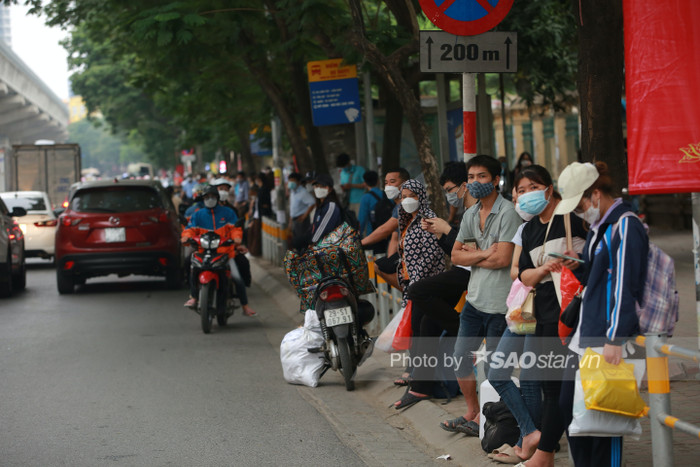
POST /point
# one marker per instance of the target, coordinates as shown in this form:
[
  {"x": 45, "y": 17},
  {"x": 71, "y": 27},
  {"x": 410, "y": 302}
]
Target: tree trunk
[
  {"x": 600, "y": 80},
  {"x": 393, "y": 123},
  {"x": 388, "y": 68},
  {"x": 285, "y": 114},
  {"x": 247, "y": 158},
  {"x": 313, "y": 136}
]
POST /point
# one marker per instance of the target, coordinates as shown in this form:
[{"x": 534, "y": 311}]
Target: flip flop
[
  {"x": 507, "y": 456},
  {"x": 403, "y": 380},
  {"x": 471, "y": 428},
  {"x": 408, "y": 400},
  {"x": 498, "y": 450},
  {"x": 451, "y": 425}
]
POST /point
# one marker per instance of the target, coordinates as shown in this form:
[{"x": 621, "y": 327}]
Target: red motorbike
[{"x": 210, "y": 266}]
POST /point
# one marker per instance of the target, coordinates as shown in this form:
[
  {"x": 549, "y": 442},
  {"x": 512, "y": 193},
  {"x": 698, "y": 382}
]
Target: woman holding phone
[{"x": 545, "y": 233}]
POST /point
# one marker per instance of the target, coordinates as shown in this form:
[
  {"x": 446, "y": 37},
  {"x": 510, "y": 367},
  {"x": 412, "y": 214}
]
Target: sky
[{"x": 37, "y": 45}]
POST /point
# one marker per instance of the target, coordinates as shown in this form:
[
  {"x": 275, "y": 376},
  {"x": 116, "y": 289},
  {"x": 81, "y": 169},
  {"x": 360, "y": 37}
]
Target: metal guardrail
[
  {"x": 662, "y": 422},
  {"x": 274, "y": 241}
]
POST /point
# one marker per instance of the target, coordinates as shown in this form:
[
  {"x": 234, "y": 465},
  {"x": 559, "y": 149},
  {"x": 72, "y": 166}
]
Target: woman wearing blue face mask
[{"x": 545, "y": 233}]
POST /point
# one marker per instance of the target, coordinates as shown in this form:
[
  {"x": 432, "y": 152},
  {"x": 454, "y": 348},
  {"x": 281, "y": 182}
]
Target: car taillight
[
  {"x": 163, "y": 217},
  {"x": 68, "y": 221},
  {"x": 68, "y": 265},
  {"x": 51, "y": 223},
  {"x": 163, "y": 261},
  {"x": 334, "y": 292}
]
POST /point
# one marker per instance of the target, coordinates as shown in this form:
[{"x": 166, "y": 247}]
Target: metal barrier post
[{"x": 659, "y": 401}]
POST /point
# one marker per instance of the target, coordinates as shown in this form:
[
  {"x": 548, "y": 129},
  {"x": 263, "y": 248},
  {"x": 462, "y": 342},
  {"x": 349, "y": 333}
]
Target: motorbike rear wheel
[
  {"x": 206, "y": 301},
  {"x": 347, "y": 367}
]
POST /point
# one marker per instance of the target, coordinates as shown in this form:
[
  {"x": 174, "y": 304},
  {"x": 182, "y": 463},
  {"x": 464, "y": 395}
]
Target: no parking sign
[{"x": 466, "y": 17}]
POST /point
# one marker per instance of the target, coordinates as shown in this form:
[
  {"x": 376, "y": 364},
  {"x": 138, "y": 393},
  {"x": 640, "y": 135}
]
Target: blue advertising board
[{"x": 334, "y": 92}]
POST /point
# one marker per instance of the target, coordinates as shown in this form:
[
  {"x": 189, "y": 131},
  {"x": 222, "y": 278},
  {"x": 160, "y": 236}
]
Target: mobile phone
[{"x": 570, "y": 258}]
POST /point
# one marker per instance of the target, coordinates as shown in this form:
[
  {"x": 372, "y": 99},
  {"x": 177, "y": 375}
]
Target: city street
[{"x": 120, "y": 373}]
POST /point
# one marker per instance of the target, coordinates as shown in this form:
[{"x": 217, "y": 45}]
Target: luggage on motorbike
[
  {"x": 299, "y": 365},
  {"x": 304, "y": 271}
]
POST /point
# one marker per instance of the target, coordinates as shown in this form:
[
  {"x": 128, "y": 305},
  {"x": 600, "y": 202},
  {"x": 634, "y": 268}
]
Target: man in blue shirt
[
  {"x": 242, "y": 189},
  {"x": 368, "y": 202},
  {"x": 351, "y": 182},
  {"x": 301, "y": 203},
  {"x": 214, "y": 216}
]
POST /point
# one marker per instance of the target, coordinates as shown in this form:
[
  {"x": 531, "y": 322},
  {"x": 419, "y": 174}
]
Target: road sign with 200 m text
[{"x": 490, "y": 52}]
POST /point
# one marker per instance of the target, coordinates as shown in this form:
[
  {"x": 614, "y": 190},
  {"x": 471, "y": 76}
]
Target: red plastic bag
[
  {"x": 402, "y": 338},
  {"x": 570, "y": 286}
]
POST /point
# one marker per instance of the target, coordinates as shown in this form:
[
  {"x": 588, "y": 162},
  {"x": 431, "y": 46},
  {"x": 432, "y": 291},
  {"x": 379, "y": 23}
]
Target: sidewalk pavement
[{"x": 375, "y": 378}]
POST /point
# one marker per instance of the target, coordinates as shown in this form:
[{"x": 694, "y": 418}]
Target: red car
[{"x": 118, "y": 227}]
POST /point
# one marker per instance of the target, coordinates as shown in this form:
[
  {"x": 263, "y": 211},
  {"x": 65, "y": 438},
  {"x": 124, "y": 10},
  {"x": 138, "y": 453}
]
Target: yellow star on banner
[{"x": 690, "y": 153}]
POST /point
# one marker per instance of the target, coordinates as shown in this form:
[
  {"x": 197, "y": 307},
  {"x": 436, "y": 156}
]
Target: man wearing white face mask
[{"x": 386, "y": 267}]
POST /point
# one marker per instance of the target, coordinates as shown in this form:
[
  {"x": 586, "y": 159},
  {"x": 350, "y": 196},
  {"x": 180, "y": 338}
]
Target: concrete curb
[{"x": 375, "y": 387}]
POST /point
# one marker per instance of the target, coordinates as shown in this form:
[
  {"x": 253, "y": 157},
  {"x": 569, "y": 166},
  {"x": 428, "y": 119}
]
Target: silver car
[{"x": 39, "y": 225}]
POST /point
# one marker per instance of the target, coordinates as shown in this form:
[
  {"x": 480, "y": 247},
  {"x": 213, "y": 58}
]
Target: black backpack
[
  {"x": 382, "y": 210},
  {"x": 500, "y": 427}
]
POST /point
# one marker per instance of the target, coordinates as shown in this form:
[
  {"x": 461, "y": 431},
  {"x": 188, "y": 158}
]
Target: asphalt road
[{"x": 120, "y": 373}]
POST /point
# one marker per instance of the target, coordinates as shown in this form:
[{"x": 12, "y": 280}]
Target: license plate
[
  {"x": 338, "y": 316},
  {"x": 115, "y": 234}
]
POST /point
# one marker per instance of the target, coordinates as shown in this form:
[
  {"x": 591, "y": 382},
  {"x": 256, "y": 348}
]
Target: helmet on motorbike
[{"x": 210, "y": 190}]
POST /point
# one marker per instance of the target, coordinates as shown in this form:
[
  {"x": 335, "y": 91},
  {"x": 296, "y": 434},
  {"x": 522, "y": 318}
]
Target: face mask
[
  {"x": 210, "y": 202},
  {"x": 592, "y": 214},
  {"x": 480, "y": 190},
  {"x": 410, "y": 205},
  {"x": 223, "y": 195},
  {"x": 321, "y": 193},
  {"x": 292, "y": 185},
  {"x": 525, "y": 216},
  {"x": 533, "y": 202},
  {"x": 454, "y": 199},
  {"x": 391, "y": 192},
  {"x": 525, "y": 163}
]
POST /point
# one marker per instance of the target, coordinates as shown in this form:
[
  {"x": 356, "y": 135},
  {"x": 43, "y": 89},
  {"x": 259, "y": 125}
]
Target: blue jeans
[
  {"x": 474, "y": 326},
  {"x": 525, "y": 403}
]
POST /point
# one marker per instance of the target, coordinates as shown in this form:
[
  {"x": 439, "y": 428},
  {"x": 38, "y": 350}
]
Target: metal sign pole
[
  {"x": 696, "y": 254},
  {"x": 469, "y": 114}
]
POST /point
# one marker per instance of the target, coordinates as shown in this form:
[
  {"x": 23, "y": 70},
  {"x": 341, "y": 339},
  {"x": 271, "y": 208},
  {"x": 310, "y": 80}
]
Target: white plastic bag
[
  {"x": 299, "y": 366},
  {"x": 587, "y": 422},
  {"x": 386, "y": 338}
]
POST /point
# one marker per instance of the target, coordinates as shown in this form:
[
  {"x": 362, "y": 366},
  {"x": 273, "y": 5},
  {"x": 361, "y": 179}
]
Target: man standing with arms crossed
[{"x": 484, "y": 243}]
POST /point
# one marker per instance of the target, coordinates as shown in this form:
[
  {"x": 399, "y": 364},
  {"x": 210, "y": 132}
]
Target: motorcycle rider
[{"x": 212, "y": 217}]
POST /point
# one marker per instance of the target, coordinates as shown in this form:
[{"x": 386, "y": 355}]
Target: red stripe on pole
[{"x": 469, "y": 119}]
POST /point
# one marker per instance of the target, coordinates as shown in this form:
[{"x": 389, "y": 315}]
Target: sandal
[
  {"x": 461, "y": 425},
  {"x": 404, "y": 380},
  {"x": 408, "y": 400},
  {"x": 451, "y": 425}
]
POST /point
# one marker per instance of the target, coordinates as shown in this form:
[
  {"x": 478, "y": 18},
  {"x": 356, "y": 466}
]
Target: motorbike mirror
[{"x": 227, "y": 242}]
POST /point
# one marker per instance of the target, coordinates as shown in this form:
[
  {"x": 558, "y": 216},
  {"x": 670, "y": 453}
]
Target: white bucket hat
[{"x": 574, "y": 180}]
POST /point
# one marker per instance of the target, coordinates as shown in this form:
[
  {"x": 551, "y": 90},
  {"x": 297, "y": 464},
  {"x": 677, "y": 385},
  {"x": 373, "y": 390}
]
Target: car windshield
[
  {"x": 28, "y": 202},
  {"x": 116, "y": 199}
]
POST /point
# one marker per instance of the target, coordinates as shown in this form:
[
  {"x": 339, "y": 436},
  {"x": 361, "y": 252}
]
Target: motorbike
[
  {"x": 342, "y": 317},
  {"x": 217, "y": 292}
]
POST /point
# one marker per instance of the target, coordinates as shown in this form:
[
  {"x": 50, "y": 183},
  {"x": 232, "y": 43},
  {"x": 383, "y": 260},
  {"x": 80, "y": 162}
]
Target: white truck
[{"x": 52, "y": 168}]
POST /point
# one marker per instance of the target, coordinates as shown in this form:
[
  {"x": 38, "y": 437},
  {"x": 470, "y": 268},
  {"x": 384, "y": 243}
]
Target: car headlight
[{"x": 209, "y": 243}]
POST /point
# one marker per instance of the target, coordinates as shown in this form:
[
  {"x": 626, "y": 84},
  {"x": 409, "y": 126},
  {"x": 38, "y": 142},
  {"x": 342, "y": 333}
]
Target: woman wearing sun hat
[{"x": 614, "y": 270}]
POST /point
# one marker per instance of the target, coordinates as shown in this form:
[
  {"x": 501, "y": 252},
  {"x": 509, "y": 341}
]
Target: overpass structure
[{"x": 29, "y": 110}]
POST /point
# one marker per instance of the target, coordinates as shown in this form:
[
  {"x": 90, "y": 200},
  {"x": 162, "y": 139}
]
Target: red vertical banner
[{"x": 662, "y": 77}]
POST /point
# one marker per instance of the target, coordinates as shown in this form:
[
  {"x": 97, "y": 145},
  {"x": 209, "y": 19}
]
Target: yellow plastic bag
[{"x": 610, "y": 388}]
